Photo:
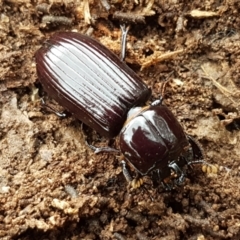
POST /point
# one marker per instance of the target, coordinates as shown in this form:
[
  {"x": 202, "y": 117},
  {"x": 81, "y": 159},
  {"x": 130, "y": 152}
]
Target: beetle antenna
[
  {"x": 198, "y": 157},
  {"x": 162, "y": 91},
  {"x": 163, "y": 86}
]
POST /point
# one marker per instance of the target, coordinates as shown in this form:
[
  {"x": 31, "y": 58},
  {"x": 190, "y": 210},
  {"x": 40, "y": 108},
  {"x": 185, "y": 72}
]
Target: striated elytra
[
  {"x": 104, "y": 93},
  {"x": 89, "y": 81}
]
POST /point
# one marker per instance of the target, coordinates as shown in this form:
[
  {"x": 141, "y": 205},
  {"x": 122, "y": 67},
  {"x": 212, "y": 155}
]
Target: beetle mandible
[{"x": 99, "y": 89}]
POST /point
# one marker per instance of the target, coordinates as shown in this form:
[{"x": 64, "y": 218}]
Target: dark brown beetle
[{"x": 103, "y": 92}]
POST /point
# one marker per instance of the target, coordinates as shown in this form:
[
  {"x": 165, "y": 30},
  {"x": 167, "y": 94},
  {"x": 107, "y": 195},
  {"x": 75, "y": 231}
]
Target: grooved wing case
[{"x": 89, "y": 81}]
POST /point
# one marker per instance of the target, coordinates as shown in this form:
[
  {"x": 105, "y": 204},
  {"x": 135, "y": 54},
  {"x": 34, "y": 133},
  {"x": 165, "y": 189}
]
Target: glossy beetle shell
[
  {"x": 152, "y": 139},
  {"x": 89, "y": 81}
]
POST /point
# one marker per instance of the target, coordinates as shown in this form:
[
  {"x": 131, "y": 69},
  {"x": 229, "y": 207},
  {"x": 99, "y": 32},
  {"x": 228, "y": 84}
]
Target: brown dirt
[{"x": 53, "y": 187}]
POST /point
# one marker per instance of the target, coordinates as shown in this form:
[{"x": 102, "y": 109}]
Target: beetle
[{"x": 100, "y": 90}]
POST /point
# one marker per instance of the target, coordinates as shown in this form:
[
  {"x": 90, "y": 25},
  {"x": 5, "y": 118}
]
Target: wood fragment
[
  {"x": 202, "y": 14},
  {"x": 156, "y": 59}
]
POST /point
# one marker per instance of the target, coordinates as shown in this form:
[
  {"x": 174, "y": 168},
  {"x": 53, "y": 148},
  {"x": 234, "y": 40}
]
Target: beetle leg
[
  {"x": 180, "y": 174},
  {"x": 101, "y": 149},
  {"x": 124, "y": 30},
  {"x": 52, "y": 109},
  {"x": 157, "y": 102},
  {"x": 167, "y": 186},
  {"x": 164, "y": 177},
  {"x": 126, "y": 173},
  {"x": 135, "y": 182}
]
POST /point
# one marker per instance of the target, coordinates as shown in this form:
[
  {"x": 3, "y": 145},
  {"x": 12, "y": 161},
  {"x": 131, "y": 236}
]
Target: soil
[{"x": 52, "y": 186}]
